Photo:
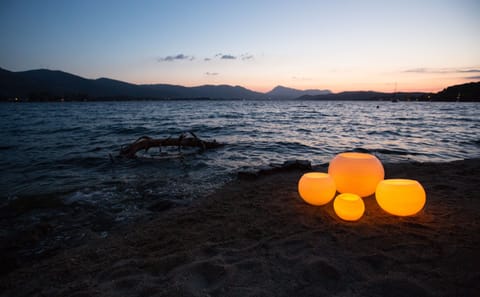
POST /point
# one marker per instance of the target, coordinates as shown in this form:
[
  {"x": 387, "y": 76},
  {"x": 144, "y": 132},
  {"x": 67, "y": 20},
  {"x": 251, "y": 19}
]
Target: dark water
[{"x": 62, "y": 149}]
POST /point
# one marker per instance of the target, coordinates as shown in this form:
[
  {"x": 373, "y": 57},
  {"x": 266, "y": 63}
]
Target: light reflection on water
[{"x": 64, "y": 147}]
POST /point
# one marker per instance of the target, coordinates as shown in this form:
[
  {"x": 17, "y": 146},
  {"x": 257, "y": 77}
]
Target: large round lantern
[
  {"x": 356, "y": 173},
  {"x": 400, "y": 197},
  {"x": 316, "y": 188},
  {"x": 349, "y": 207}
]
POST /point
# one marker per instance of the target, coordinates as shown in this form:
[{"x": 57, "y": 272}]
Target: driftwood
[{"x": 145, "y": 143}]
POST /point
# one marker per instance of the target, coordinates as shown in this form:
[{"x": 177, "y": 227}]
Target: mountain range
[
  {"x": 54, "y": 85},
  {"x": 43, "y": 84}
]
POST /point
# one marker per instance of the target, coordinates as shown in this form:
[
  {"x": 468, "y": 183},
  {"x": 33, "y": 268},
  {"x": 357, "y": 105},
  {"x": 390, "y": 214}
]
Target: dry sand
[{"x": 258, "y": 238}]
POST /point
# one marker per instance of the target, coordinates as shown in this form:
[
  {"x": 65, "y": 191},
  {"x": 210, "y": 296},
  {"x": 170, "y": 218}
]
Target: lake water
[{"x": 62, "y": 149}]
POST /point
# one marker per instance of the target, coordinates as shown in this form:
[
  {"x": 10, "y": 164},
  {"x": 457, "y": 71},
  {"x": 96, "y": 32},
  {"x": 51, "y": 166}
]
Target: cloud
[
  {"x": 176, "y": 57},
  {"x": 301, "y": 78},
  {"x": 416, "y": 70},
  {"x": 473, "y": 77},
  {"x": 221, "y": 56},
  {"x": 228, "y": 57},
  {"x": 443, "y": 70},
  {"x": 470, "y": 71},
  {"x": 246, "y": 57},
  {"x": 211, "y": 73}
]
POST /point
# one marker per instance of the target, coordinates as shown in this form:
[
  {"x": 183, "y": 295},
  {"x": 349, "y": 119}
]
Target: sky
[{"x": 342, "y": 45}]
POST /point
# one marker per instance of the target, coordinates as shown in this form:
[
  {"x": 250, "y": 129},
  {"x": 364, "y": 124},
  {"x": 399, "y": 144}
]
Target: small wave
[
  {"x": 280, "y": 146},
  {"x": 206, "y": 129},
  {"x": 384, "y": 133},
  {"x": 88, "y": 196},
  {"x": 304, "y": 130},
  {"x": 394, "y": 152},
  {"x": 6, "y": 147},
  {"x": 233, "y": 116},
  {"x": 62, "y": 130},
  {"x": 475, "y": 142},
  {"x": 95, "y": 149},
  {"x": 406, "y": 119},
  {"x": 384, "y": 151},
  {"x": 84, "y": 161},
  {"x": 128, "y": 131}
]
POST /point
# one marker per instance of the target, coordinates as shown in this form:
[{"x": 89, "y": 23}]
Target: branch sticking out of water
[{"x": 184, "y": 140}]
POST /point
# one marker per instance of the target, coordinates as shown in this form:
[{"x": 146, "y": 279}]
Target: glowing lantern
[
  {"x": 316, "y": 188},
  {"x": 400, "y": 197},
  {"x": 357, "y": 173},
  {"x": 349, "y": 207}
]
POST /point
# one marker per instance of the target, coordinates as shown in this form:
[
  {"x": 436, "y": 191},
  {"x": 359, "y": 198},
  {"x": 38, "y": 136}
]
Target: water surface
[{"x": 62, "y": 149}]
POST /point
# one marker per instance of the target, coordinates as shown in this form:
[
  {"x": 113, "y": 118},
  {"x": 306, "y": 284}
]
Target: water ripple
[{"x": 58, "y": 148}]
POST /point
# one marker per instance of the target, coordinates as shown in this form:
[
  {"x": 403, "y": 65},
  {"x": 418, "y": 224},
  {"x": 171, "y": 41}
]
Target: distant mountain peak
[{"x": 282, "y": 92}]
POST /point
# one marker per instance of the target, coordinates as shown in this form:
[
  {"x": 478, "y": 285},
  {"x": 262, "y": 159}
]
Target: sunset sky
[{"x": 337, "y": 45}]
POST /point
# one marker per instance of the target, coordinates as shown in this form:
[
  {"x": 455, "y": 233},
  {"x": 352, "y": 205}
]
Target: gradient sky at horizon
[{"x": 422, "y": 45}]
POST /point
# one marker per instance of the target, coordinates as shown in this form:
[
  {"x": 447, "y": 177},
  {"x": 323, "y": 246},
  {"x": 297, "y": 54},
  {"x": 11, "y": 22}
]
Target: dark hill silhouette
[
  {"x": 281, "y": 92},
  {"x": 356, "y": 95},
  {"x": 366, "y": 95},
  {"x": 45, "y": 84},
  {"x": 50, "y": 85},
  {"x": 468, "y": 92},
  {"x": 205, "y": 91},
  {"x": 463, "y": 92}
]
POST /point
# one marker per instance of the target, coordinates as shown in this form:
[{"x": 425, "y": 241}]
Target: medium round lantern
[
  {"x": 349, "y": 207},
  {"x": 316, "y": 188},
  {"x": 400, "y": 197},
  {"x": 356, "y": 173}
]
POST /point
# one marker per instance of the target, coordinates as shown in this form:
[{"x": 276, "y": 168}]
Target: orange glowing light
[
  {"x": 400, "y": 197},
  {"x": 349, "y": 207},
  {"x": 316, "y": 188},
  {"x": 356, "y": 173}
]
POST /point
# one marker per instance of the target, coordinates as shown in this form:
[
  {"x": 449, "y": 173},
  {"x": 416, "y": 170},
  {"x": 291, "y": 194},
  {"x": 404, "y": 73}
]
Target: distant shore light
[
  {"x": 349, "y": 207},
  {"x": 356, "y": 173},
  {"x": 316, "y": 188},
  {"x": 400, "y": 197}
]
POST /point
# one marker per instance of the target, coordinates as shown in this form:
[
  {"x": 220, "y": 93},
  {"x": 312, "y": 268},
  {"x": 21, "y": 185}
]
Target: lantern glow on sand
[
  {"x": 316, "y": 188},
  {"x": 349, "y": 207},
  {"x": 400, "y": 197},
  {"x": 356, "y": 173}
]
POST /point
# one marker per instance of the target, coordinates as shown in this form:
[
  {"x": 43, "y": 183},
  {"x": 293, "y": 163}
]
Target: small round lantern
[
  {"x": 356, "y": 173},
  {"x": 316, "y": 188},
  {"x": 400, "y": 197},
  {"x": 349, "y": 207}
]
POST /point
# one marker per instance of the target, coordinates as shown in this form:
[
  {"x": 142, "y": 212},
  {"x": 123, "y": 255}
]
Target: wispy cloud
[
  {"x": 226, "y": 57},
  {"x": 211, "y": 73},
  {"x": 443, "y": 70},
  {"x": 473, "y": 77},
  {"x": 416, "y": 70},
  {"x": 220, "y": 56},
  {"x": 176, "y": 57},
  {"x": 470, "y": 71},
  {"x": 246, "y": 57},
  {"x": 301, "y": 78}
]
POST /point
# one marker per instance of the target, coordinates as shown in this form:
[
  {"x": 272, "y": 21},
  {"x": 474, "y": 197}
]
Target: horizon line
[{"x": 242, "y": 86}]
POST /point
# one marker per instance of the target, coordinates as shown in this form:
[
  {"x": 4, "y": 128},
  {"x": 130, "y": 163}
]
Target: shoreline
[{"x": 256, "y": 237}]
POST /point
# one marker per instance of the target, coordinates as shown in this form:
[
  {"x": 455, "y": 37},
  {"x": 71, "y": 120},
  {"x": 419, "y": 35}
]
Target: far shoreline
[{"x": 115, "y": 99}]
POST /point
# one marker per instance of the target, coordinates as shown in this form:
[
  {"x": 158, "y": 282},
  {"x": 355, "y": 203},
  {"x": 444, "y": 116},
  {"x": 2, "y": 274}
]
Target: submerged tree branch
[{"x": 145, "y": 143}]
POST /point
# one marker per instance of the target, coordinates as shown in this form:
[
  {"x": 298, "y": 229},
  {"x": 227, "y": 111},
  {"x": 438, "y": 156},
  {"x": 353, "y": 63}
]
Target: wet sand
[{"x": 256, "y": 237}]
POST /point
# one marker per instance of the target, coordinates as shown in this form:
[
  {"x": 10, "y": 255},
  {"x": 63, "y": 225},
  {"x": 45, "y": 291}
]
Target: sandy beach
[{"x": 256, "y": 237}]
